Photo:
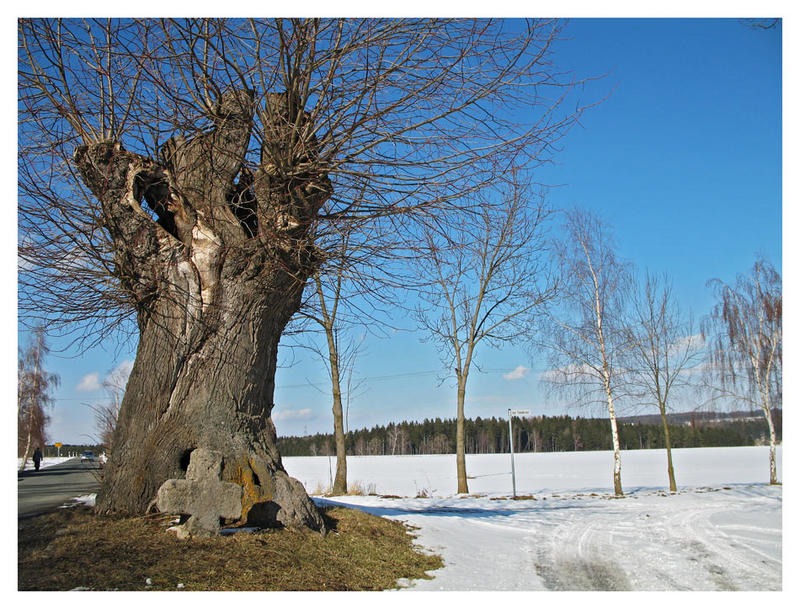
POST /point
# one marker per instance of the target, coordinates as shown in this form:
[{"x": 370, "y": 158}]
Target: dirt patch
[
  {"x": 577, "y": 573},
  {"x": 77, "y": 549}
]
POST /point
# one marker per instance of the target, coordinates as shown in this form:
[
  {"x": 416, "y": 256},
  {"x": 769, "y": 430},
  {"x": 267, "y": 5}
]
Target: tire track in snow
[
  {"x": 694, "y": 544},
  {"x": 578, "y": 557},
  {"x": 732, "y": 564},
  {"x": 649, "y": 540},
  {"x": 665, "y": 549}
]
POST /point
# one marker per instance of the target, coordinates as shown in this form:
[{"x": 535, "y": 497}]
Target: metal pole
[{"x": 511, "y": 446}]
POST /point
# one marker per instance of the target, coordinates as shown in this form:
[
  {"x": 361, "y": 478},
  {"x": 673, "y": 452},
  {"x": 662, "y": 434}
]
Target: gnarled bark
[{"x": 214, "y": 278}]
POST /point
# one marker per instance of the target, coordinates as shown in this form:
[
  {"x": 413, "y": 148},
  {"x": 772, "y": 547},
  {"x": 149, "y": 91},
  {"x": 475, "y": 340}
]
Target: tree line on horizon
[{"x": 561, "y": 433}]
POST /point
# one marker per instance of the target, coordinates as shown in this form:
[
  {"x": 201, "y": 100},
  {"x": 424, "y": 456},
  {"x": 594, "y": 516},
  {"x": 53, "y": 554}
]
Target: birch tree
[
  {"x": 584, "y": 333},
  {"x": 107, "y": 412},
  {"x": 745, "y": 333},
  {"x": 34, "y": 387}
]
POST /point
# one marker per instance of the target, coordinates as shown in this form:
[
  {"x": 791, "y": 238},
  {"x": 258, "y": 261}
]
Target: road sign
[{"x": 512, "y": 414}]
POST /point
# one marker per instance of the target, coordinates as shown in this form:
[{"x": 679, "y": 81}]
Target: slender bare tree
[
  {"x": 745, "y": 332},
  {"x": 339, "y": 295},
  {"x": 339, "y": 361},
  {"x": 485, "y": 279},
  {"x": 585, "y": 330},
  {"x": 182, "y": 176},
  {"x": 107, "y": 412},
  {"x": 34, "y": 385},
  {"x": 663, "y": 347}
]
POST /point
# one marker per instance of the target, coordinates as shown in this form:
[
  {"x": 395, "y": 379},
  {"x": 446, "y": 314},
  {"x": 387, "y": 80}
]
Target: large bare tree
[
  {"x": 184, "y": 175},
  {"x": 663, "y": 348},
  {"x": 482, "y": 282},
  {"x": 745, "y": 332},
  {"x": 585, "y": 329}
]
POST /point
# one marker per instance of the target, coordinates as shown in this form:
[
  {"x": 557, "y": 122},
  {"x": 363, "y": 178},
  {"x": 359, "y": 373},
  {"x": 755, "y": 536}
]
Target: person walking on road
[{"x": 37, "y": 458}]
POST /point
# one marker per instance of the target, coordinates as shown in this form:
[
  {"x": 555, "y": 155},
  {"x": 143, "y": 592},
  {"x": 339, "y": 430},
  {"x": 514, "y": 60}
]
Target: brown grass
[
  {"x": 76, "y": 548},
  {"x": 353, "y": 488}
]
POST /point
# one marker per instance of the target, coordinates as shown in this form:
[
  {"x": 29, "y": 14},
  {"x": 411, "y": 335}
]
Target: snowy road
[{"x": 721, "y": 531}]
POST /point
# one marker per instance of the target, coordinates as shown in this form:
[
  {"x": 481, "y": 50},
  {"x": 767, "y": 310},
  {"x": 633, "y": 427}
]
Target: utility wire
[
  {"x": 385, "y": 377},
  {"x": 389, "y": 377}
]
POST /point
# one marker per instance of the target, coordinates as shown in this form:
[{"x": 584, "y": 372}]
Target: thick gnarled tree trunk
[{"x": 214, "y": 280}]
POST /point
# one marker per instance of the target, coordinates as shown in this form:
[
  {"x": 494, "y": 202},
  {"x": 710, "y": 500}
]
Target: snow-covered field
[{"x": 722, "y": 530}]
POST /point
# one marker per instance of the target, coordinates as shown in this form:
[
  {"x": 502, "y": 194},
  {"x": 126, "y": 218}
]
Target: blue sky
[{"x": 683, "y": 159}]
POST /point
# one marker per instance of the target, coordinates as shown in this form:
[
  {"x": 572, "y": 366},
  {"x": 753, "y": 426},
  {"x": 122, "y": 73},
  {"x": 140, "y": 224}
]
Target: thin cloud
[
  {"x": 517, "y": 373},
  {"x": 694, "y": 343},
  {"x": 292, "y": 415},
  {"x": 90, "y": 382},
  {"x": 116, "y": 379}
]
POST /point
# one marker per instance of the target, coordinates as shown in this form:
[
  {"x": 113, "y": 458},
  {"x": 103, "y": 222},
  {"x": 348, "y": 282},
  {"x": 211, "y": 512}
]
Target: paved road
[{"x": 51, "y": 487}]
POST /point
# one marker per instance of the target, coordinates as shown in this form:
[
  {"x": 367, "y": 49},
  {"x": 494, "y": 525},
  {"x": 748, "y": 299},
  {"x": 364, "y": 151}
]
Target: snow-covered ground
[
  {"x": 46, "y": 462},
  {"x": 722, "y": 530}
]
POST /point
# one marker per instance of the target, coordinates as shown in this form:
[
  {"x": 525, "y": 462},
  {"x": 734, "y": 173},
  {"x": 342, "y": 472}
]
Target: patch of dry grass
[
  {"x": 76, "y": 548},
  {"x": 361, "y": 488},
  {"x": 355, "y": 487}
]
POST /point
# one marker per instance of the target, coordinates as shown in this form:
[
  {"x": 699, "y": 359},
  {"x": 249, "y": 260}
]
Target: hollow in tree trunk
[{"x": 214, "y": 279}]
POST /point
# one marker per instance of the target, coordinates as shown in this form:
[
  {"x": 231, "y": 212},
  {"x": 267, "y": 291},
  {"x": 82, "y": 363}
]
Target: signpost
[
  {"x": 58, "y": 446},
  {"x": 514, "y": 413}
]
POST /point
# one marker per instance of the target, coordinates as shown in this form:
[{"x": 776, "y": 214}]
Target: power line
[
  {"x": 366, "y": 378},
  {"x": 385, "y": 377},
  {"x": 388, "y": 377}
]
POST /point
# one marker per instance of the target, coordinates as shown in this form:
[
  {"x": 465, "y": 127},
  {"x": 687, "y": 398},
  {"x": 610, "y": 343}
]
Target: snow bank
[{"x": 46, "y": 462}]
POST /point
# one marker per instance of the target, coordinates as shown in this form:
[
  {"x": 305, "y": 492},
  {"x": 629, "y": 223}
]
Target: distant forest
[{"x": 542, "y": 434}]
